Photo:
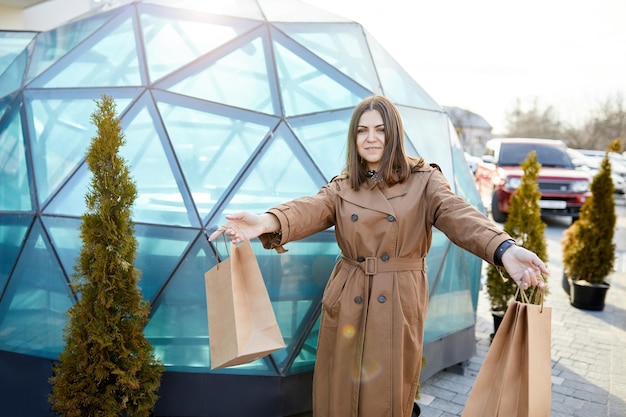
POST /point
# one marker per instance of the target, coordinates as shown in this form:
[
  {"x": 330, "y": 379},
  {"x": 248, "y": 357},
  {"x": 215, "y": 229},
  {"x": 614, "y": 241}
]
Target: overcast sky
[{"x": 482, "y": 55}]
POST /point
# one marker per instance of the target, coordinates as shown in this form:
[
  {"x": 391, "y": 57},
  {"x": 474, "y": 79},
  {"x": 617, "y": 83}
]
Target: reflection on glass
[{"x": 14, "y": 178}]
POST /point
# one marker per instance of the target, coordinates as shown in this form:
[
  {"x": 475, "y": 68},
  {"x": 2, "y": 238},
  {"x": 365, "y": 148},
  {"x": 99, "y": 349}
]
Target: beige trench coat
[{"x": 369, "y": 353}]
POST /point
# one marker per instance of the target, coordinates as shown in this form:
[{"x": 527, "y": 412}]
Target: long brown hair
[{"x": 395, "y": 166}]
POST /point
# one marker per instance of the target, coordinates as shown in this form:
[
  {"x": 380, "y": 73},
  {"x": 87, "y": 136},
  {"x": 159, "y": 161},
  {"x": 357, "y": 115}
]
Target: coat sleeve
[
  {"x": 302, "y": 217},
  {"x": 461, "y": 222}
]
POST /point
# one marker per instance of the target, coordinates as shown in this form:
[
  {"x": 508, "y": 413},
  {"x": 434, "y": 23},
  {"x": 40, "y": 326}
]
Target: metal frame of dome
[{"x": 225, "y": 106}]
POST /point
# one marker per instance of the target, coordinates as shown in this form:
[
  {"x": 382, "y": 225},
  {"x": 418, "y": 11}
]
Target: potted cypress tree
[
  {"x": 524, "y": 224},
  {"x": 107, "y": 366},
  {"x": 587, "y": 246}
]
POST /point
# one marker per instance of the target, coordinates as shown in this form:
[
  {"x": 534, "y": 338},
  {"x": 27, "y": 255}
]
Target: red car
[{"x": 563, "y": 188}]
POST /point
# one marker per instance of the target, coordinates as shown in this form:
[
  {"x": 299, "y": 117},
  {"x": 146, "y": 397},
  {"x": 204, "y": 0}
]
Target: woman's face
[{"x": 370, "y": 138}]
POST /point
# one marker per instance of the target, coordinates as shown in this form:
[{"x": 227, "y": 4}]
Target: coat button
[
  {"x": 390, "y": 218},
  {"x": 385, "y": 257},
  {"x": 354, "y": 217},
  {"x": 360, "y": 258},
  {"x": 358, "y": 299},
  {"x": 382, "y": 299}
]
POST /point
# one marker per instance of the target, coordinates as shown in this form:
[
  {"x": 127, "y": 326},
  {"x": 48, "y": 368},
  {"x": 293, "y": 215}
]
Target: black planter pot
[
  {"x": 588, "y": 296},
  {"x": 497, "y": 320},
  {"x": 565, "y": 284},
  {"x": 416, "y": 410}
]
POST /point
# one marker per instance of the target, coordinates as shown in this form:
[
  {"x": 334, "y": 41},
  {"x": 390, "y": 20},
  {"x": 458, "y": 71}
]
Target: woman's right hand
[{"x": 245, "y": 226}]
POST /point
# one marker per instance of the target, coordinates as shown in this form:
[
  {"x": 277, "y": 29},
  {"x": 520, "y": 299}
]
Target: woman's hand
[
  {"x": 245, "y": 226},
  {"x": 524, "y": 267}
]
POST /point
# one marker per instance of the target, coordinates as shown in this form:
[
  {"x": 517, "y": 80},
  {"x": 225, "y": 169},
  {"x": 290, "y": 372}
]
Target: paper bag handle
[{"x": 216, "y": 249}]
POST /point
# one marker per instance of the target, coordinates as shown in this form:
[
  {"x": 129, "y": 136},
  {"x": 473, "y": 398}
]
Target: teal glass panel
[
  {"x": 159, "y": 200},
  {"x": 35, "y": 301},
  {"x": 278, "y": 176},
  {"x": 15, "y": 192},
  {"x": 12, "y": 77},
  {"x": 307, "y": 88},
  {"x": 325, "y": 138},
  {"x": 463, "y": 176},
  {"x": 305, "y": 361},
  {"x": 295, "y": 281},
  {"x": 11, "y": 45},
  {"x": 450, "y": 307},
  {"x": 61, "y": 135},
  {"x": 428, "y": 131},
  {"x": 211, "y": 148},
  {"x": 13, "y": 228},
  {"x": 52, "y": 45},
  {"x": 436, "y": 257},
  {"x": 158, "y": 253},
  {"x": 178, "y": 329},
  {"x": 232, "y": 78},
  {"x": 70, "y": 200},
  {"x": 111, "y": 61},
  {"x": 64, "y": 234},
  {"x": 6, "y": 104},
  {"x": 240, "y": 8},
  {"x": 171, "y": 44},
  {"x": 397, "y": 84},
  {"x": 341, "y": 45}
]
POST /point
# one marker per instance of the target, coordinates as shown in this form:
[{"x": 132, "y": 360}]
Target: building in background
[
  {"x": 226, "y": 106},
  {"x": 473, "y": 130}
]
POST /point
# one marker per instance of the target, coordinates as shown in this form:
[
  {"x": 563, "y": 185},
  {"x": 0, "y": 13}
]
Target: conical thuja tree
[
  {"x": 525, "y": 225},
  {"x": 587, "y": 245},
  {"x": 107, "y": 367}
]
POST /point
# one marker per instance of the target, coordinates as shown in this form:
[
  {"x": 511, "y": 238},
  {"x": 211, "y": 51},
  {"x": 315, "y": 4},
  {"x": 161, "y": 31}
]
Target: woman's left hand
[{"x": 524, "y": 267}]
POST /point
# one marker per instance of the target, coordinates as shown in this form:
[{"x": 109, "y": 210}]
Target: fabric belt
[{"x": 372, "y": 265}]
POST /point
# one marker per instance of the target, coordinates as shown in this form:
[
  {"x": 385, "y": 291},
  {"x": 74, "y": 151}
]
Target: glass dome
[{"x": 225, "y": 106}]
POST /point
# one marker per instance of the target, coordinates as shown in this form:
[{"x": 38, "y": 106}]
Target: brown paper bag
[
  {"x": 242, "y": 324},
  {"x": 515, "y": 380}
]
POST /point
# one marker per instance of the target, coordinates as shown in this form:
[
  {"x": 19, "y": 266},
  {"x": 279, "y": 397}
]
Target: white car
[{"x": 589, "y": 161}]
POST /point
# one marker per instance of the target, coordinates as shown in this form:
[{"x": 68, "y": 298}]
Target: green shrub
[
  {"x": 588, "y": 247},
  {"x": 107, "y": 367},
  {"x": 525, "y": 225}
]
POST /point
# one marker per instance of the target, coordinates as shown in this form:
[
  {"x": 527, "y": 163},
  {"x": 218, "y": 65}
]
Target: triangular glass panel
[
  {"x": 6, "y": 103},
  {"x": 11, "y": 79},
  {"x": 35, "y": 301},
  {"x": 464, "y": 181},
  {"x": 241, "y": 8},
  {"x": 50, "y": 46},
  {"x": 64, "y": 233},
  {"x": 212, "y": 147},
  {"x": 450, "y": 306},
  {"x": 159, "y": 251},
  {"x": 428, "y": 131},
  {"x": 159, "y": 198},
  {"x": 11, "y": 45},
  {"x": 13, "y": 228},
  {"x": 436, "y": 258},
  {"x": 15, "y": 192},
  {"x": 319, "y": 133},
  {"x": 341, "y": 45},
  {"x": 230, "y": 78},
  {"x": 296, "y": 11},
  {"x": 108, "y": 58},
  {"x": 397, "y": 84},
  {"x": 283, "y": 172},
  {"x": 178, "y": 329},
  {"x": 309, "y": 84},
  {"x": 61, "y": 134},
  {"x": 70, "y": 199},
  {"x": 174, "y": 42}
]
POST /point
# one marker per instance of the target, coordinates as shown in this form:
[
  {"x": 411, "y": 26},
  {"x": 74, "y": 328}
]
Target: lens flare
[{"x": 349, "y": 331}]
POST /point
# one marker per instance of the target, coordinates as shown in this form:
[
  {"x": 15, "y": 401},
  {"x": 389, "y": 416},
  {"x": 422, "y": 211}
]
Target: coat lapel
[{"x": 374, "y": 199}]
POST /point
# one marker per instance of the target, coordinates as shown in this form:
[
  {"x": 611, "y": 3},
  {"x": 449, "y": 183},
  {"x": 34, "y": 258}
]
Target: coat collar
[{"x": 374, "y": 199}]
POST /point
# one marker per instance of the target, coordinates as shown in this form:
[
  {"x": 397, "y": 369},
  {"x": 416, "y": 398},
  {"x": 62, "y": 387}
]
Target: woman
[{"x": 383, "y": 207}]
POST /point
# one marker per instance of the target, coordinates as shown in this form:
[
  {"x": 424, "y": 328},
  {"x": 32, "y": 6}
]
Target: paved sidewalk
[{"x": 588, "y": 348}]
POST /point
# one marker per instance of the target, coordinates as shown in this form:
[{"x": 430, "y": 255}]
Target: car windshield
[{"x": 513, "y": 154}]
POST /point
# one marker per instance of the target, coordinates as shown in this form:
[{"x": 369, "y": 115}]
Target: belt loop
[{"x": 371, "y": 265}]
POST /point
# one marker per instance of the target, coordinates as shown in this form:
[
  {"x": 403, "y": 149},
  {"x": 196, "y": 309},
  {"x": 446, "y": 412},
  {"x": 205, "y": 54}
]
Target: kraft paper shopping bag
[
  {"x": 242, "y": 324},
  {"x": 515, "y": 378}
]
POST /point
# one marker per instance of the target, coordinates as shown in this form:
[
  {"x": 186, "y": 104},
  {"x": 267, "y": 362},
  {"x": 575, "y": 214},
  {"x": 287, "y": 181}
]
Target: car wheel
[{"x": 497, "y": 215}]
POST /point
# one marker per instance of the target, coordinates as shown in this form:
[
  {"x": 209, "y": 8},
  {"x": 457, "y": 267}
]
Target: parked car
[
  {"x": 472, "y": 162},
  {"x": 591, "y": 165},
  {"x": 563, "y": 188}
]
